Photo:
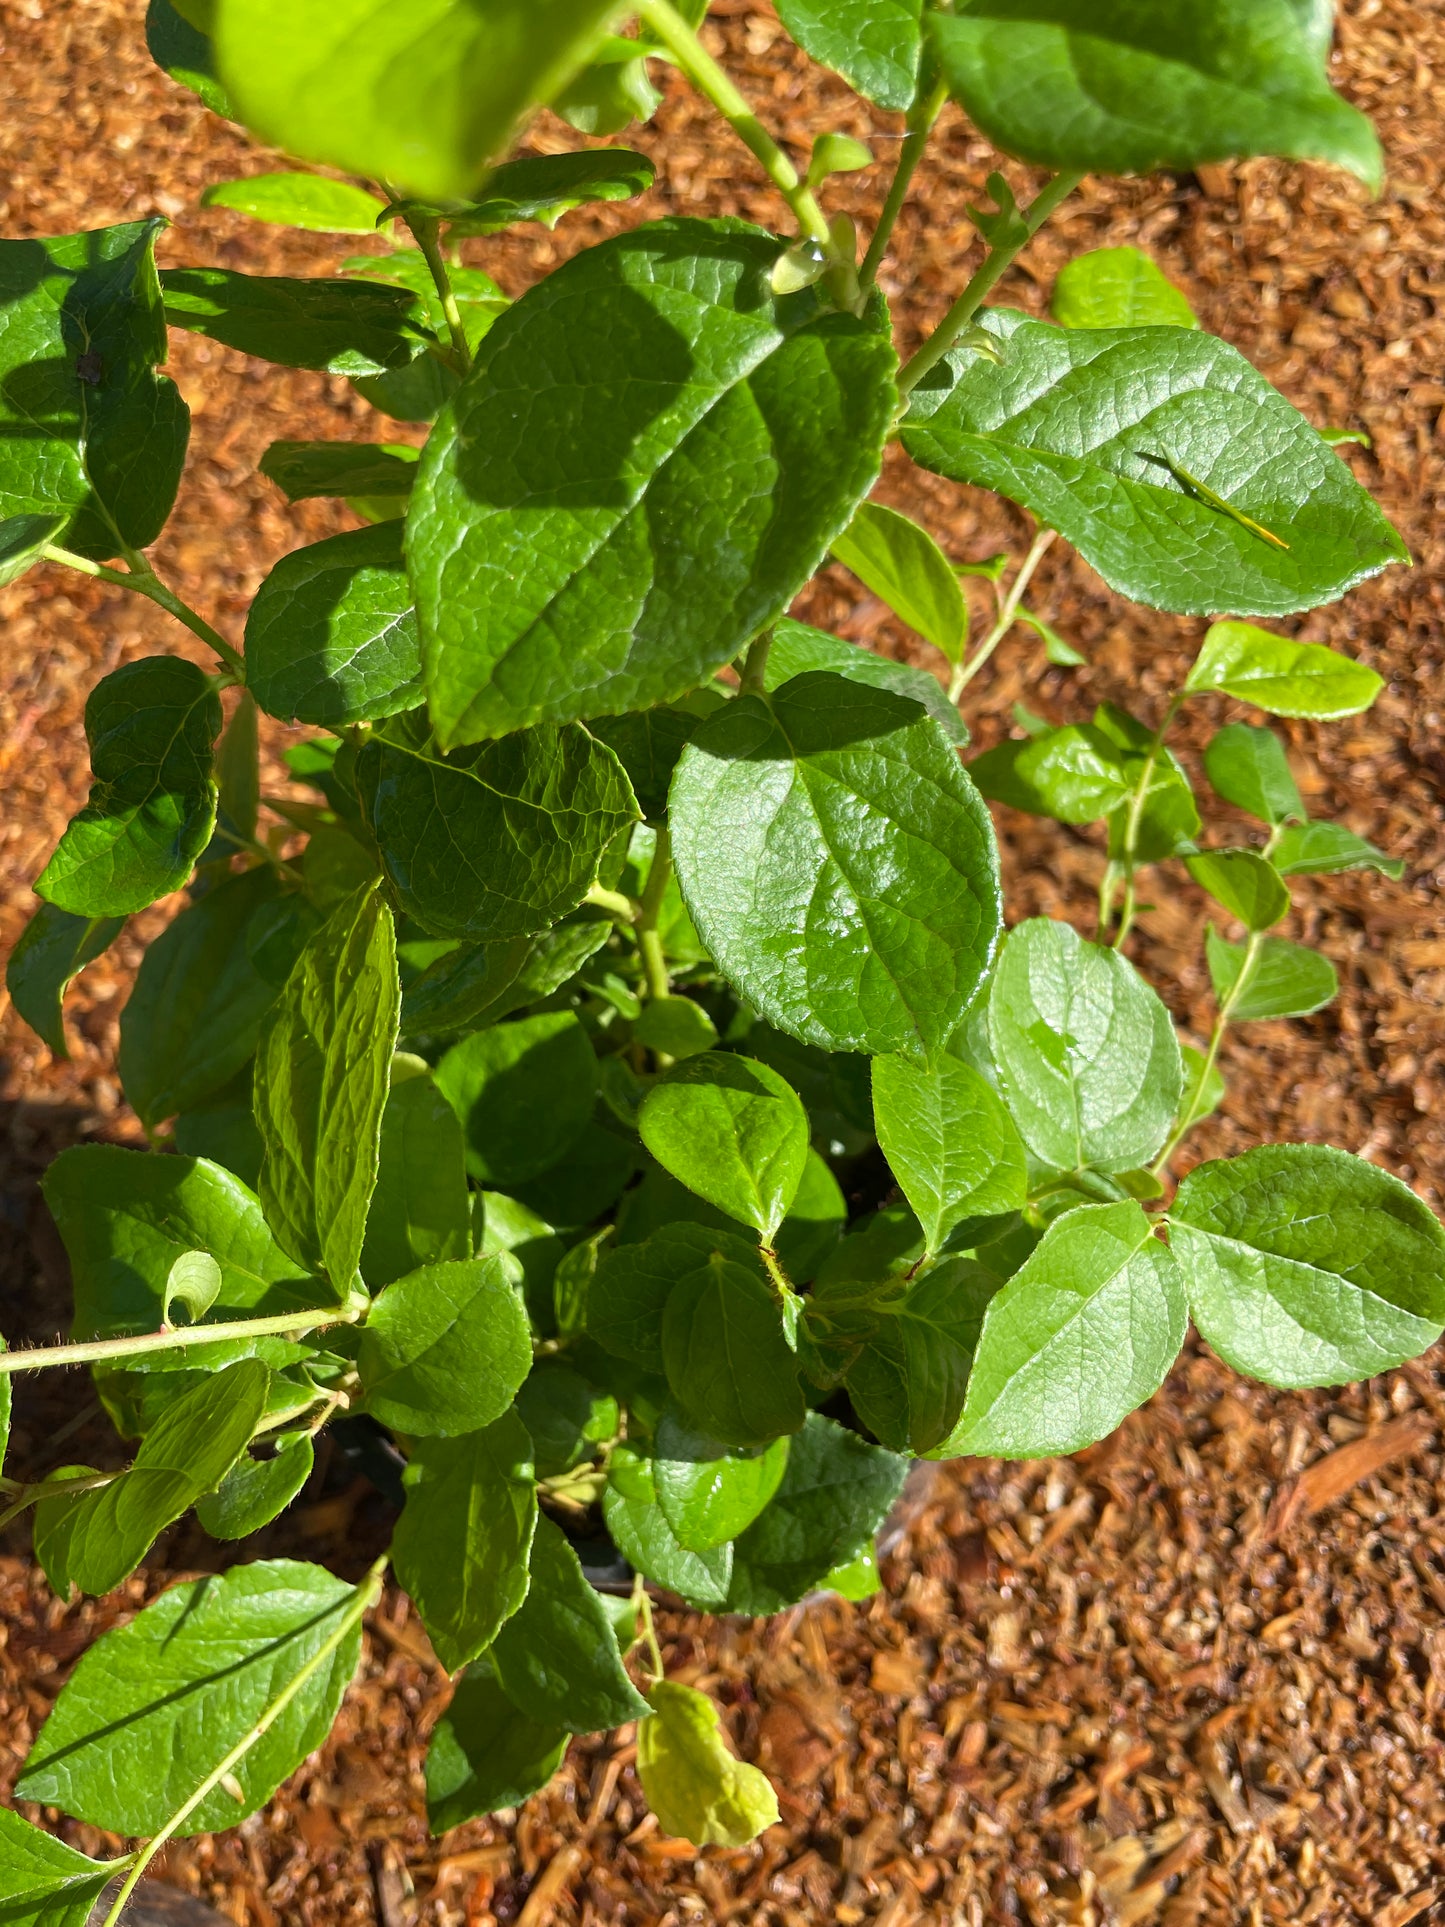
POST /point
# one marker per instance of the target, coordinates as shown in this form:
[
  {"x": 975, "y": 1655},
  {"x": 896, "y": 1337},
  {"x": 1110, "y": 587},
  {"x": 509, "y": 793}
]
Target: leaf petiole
[
  {"x": 142, "y": 578},
  {"x": 1190, "y": 1114},
  {"x": 1008, "y": 611}
]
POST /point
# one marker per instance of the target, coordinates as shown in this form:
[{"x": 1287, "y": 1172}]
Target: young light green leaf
[
  {"x": 43, "y": 1882},
  {"x": 1105, "y": 434},
  {"x": 1248, "y": 767},
  {"x": 544, "y": 187},
  {"x": 194, "y": 1280},
  {"x": 875, "y": 45},
  {"x": 611, "y": 91},
  {"x": 309, "y": 201},
  {"x": 709, "y": 1492},
  {"x": 530, "y": 818},
  {"x": 1306, "y": 1266},
  {"x": 839, "y": 864},
  {"x": 157, "y": 1703},
  {"x": 696, "y": 1787},
  {"x": 1204, "y": 1085},
  {"x": 1074, "y": 774},
  {"x": 633, "y": 1282},
  {"x": 463, "y": 1539},
  {"x": 901, "y": 563},
  {"x": 1321, "y": 849},
  {"x": 95, "y": 1539},
  {"x": 644, "y": 1535},
  {"x": 420, "y": 1211},
  {"x": 556, "y": 1657},
  {"x": 255, "y": 1491},
  {"x": 1081, "y": 1335},
  {"x": 186, "y": 54},
  {"x": 484, "y": 1754},
  {"x": 53, "y": 949},
  {"x": 908, "y": 1381},
  {"x": 1248, "y": 886},
  {"x": 675, "y": 1027},
  {"x": 524, "y": 1092},
  {"x": 796, "y": 649},
  {"x": 151, "y": 726},
  {"x": 1283, "y": 677},
  {"x": 304, "y": 470},
  {"x": 1117, "y": 288},
  {"x": 949, "y": 1142},
  {"x": 1087, "y": 1057},
  {"x": 322, "y": 1071},
  {"x": 836, "y": 154},
  {"x": 715, "y": 486},
  {"x": 1116, "y": 87},
  {"x": 731, "y": 1130},
  {"x": 728, "y": 1363},
  {"x": 1287, "y": 979},
  {"x": 341, "y": 327},
  {"x": 446, "y": 1349}
]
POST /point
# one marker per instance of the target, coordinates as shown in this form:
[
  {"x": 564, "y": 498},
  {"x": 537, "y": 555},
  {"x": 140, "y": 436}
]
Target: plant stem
[
  {"x": 142, "y": 578},
  {"x": 613, "y": 902},
  {"x": 755, "y": 665},
  {"x": 688, "y": 52},
  {"x": 427, "y": 235},
  {"x": 1137, "y": 804},
  {"x": 366, "y": 1596},
  {"x": 649, "y": 940},
  {"x": 97, "y": 1349},
  {"x": 921, "y": 117},
  {"x": 1008, "y": 609},
  {"x": 995, "y": 264},
  {"x": 642, "y": 1605},
  {"x": 1189, "y": 1116}
]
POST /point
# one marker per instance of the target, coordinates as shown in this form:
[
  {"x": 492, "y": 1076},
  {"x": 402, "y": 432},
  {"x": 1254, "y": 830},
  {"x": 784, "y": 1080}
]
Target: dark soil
[{"x": 1196, "y": 1674}]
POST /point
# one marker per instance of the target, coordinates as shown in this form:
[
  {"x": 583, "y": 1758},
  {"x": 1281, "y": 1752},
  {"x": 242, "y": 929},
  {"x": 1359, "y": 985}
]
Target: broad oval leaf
[
  {"x": 901, "y": 563},
  {"x": 1245, "y": 883},
  {"x": 1107, "y": 435},
  {"x": 1306, "y": 1266},
  {"x": 1248, "y": 767},
  {"x": 1074, "y": 774},
  {"x": 633, "y": 1282},
  {"x": 1283, "y": 677},
  {"x": 1322, "y": 849},
  {"x": 544, "y": 187},
  {"x": 308, "y": 201},
  {"x": 446, "y": 1349},
  {"x": 731, "y": 1130},
  {"x": 186, "y": 54},
  {"x": 420, "y": 1211},
  {"x": 796, "y": 649},
  {"x": 43, "y": 1882},
  {"x": 644, "y": 1535},
  {"x": 1117, "y": 288},
  {"x": 709, "y": 1492},
  {"x": 694, "y": 1785},
  {"x": 874, "y": 44},
  {"x": 524, "y": 1092},
  {"x": 484, "y": 1754},
  {"x": 590, "y": 537},
  {"x": 1285, "y": 980},
  {"x": 949, "y": 1142},
  {"x": 305, "y": 470},
  {"x": 839, "y": 864},
  {"x": 255, "y": 1491},
  {"x": 728, "y": 1362},
  {"x": 52, "y": 950}
]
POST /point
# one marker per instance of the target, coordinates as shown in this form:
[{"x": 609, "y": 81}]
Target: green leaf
[
  {"x": 611, "y": 91},
  {"x": 713, "y": 488},
  {"x": 1074, "y": 774},
  {"x": 151, "y": 726},
  {"x": 1120, "y": 87},
  {"x": 1081, "y": 1335},
  {"x": 1169, "y": 821},
  {"x": 857, "y": 1580},
  {"x": 468, "y": 985},
  {"x": 484, "y": 1754},
  {"x": 647, "y": 744},
  {"x": 908, "y": 1381},
  {"x": 567, "y": 1418},
  {"x": 587, "y": 1183},
  {"x": 53, "y": 949},
  {"x": 1287, "y": 980},
  {"x": 194, "y": 1280},
  {"x": 901, "y": 563},
  {"x": 307, "y": 201},
  {"x": 238, "y": 773},
  {"x": 186, "y": 54},
  {"x": 796, "y": 649},
  {"x": 1306, "y": 1266},
  {"x": 23, "y": 541},
  {"x": 340, "y": 327},
  {"x": 464, "y": 1535},
  {"x": 1248, "y": 886},
  {"x": 44, "y": 1883},
  {"x": 875, "y": 45},
  {"x": 731, "y": 1130},
  {"x": 95, "y": 1539},
  {"x": 813, "y": 1224},
  {"x": 556, "y": 1657},
  {"x": 1106, "y": 435},
  {"x": 529, "y": 819},
  {"x": 157, "y": 1703},
  {"x": 478, "y": 298},
  {"x": 1248, "y": 767},
  {"x": 633, "y": 1282},
  {"x": 223, "y": 1129},
  {"x": 305, "y": 470},
  {"x": 709, "y": 1492},
  {"x": 524, "y": 1092},
  {"x": 835, "y": 1493},
  {"x": 446, "y": 1349},
  {"x": 644, "y": 1535},
  {"x": 1087, "y": 1057},
  {"x": 255, "y": 1491},
  {"x": 1283, "y": 677},
  {"x": 838, "y": 863},
  {"x": 1204, "y": 1085},
  {"x": 949, "y": 1142},
  {"x": 675, "y": 1027},
  {"x": 1117, "y": 288},
  {"x": 1062, "y": 654},
  {"x": 727, "y": 1360},
  {"x": 420, "y": 1211},
  {"x": 1322, "y": 849},
  {"x": 544, "y": 187},
  {"x": 419, "y": 92},
  {"x": 694, "y": 1785},
  {"x": 322, "y": 1072}
]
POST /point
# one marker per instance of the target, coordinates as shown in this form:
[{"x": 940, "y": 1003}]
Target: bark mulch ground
[{"x": 1195, "y": 1675}]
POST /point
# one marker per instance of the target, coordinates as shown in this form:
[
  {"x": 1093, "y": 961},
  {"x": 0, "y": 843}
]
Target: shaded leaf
[
  {"x": 341, "y": 327},
  {"x": 484, "y": 1754},
  {"x": 796, "y": 649},
  {"x": 445, "y": 1350},
  {"x": 52, "y": 950},
  {"x": 732, "y": 1130},
  {"x": 524, "y": 1092}
]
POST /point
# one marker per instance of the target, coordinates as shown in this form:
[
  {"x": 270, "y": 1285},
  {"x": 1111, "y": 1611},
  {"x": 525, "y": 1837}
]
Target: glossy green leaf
[
  {"x": 1087, "y": 1057},
  {"x": 255, "y": 1491},
  {"x": 544, "y": 187},
  {"x": 151, "y": 726},
  {"x": 157, "y": 1703},
  {"x": 1283, "y": 677},
  {"x": 1117, "y": 288},
  {"x": 796, "y": 649},
  {"x": 949, "y": 1142},
  {"x": 1286, "y": 980},
  {"x": 727, "y": 1360},
  {"x": 903, "y": 565},
  {"x": 731, "y": 1130},
  {"x": 308, "y": 201},
  {"x": 304, "y": 470},
  {"x": 420, "y": 1211},
  {"x": 478, "y": 300},
  {"x": 53, "y": 949},
  {"x": 567, "y": 1418},
  {"x": 1322, "y": 849},
  {"x": 340, "y": 327},
  {"x": 839, "y": 864},
  {"x": 1128, "y": 86},
  {"x": 648, "y": 743},
  {"x": 1081, "y": 1335},
  {"x": 1306, "y": 1266},
  {"x": 1074, "y": 774},
  {"x": 908, "y": 1381},
  {"x": 875, "y": 44},
  {"x": 446, "y": 1349},
  {"x": 529, "y": 819},
  {"x": 644, "y": 1535},
  {"x": 468, "y": 985},
  {"x": 1248, "y": 767},
  {"x": 857, "y": 1580},
  {"x": 1106, "y": 434},
  {"x": 524, "y": 1092},
  {"x": 1248, "y": 886},
  {"x": 23, "y": 541},
  {"x": 556, "y": 1657},
  {"x": 713, "y": 487},
  {"x": 709, "y": 1492},
  {"x": 462, "y": 1541},
  {"x": 186, "y": 54},
  {"x": 835, "y": 1493},
  {"x": 696, "y": 1787},
  {"x": 634, "y": 1281},
  {"x": 675, "y": 1027},
  {"x": 611, "y": 91},
  {"x": 322, "y": 1072},
  {"x": 95, "y": 1539},
  {"x": 43, "y": 1882},
  {"x": 484, "y": 1754},
  {"x": 419, "y": 92}
]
